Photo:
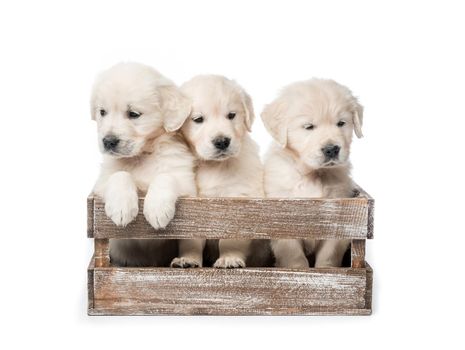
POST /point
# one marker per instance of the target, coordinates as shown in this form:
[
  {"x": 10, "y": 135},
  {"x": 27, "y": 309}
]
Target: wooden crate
[{"x": 249, "y": 291}]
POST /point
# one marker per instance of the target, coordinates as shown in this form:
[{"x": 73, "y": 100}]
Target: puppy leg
[
  {"x": 121, "y": 200},
  {"x": 190, "y": 253},
  {"x": 160, "y": 201},
  {"x": 330, "y": 253},
  {"x": 126, "y": 252},
  {"x": 233, "y": 253},
  {"x": 289, "y": 253}
]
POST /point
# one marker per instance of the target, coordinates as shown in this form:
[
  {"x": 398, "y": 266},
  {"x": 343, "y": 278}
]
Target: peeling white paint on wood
[
  {"x": 228, "y": 292},
  {"x": 242, "y": 218}
]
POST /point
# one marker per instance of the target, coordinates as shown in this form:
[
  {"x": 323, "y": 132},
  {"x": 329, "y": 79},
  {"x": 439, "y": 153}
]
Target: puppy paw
[
  {"x": 229, "y": 262},
  {"x": 185, "y": 263},
  {"x": 159, "y": 212},
  {"x": 122, "y": 207}
]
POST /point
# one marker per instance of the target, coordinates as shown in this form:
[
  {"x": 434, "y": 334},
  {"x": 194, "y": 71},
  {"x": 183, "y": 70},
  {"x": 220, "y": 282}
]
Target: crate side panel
[
  {"x": 248, "y": 218},
  {"x": 90, "y": 285},
  {"x": 90, "y": 216},
  {"x": 371, "y": 218},
  {"x": 228, "y": 292},
  {"x": 369, "y": 288}
]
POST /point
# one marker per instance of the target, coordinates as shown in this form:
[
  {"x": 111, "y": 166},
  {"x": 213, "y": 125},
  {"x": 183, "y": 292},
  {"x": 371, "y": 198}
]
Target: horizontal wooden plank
[
  {"x": 140, "y": 311},
  {"x": 208, "y": 291},
  {"x": 246, "y": 218}
]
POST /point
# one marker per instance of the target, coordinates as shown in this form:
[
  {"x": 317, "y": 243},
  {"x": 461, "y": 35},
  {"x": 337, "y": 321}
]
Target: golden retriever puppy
[
  {"x": 312, "y": 123},
  {"x": 228, "y": 161},
  {"x": 137, "y": 111}
]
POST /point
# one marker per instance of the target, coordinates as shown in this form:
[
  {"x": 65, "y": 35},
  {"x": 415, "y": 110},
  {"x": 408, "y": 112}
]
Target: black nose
[
  {"x": 331, "y": 151},
  {"x": 222, "y": 143},
  {"x": 110, "y": 142}
]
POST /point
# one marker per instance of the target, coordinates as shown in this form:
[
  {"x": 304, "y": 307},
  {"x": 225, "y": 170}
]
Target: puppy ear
[
  {"x": 273, "y": 117},
  {"x": 358, "y": 119},
  {"x": 176, "y": 107},
  {"x": 249, "y": 113}
]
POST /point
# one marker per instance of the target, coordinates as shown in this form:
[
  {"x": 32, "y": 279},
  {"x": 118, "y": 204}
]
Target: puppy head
[
  {"x": 315, "y": 119},
  {"x": 133, "y": 104},
  {"x": 222, "y": 113}
]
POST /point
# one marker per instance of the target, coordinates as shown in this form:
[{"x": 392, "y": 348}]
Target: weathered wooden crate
[{"x": 249, "y": 291}]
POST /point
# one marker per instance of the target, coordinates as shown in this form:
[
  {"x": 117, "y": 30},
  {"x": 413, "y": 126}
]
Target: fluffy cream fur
[
  {"x": 140, "y": 108},
  {"x": 306, "y": 117},
  {"x": 233, "y": 172}
]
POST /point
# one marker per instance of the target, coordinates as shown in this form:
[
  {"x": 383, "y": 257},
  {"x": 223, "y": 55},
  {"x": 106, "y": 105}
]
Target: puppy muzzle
[
  {"x": 331, "y": 152},
  {"x": 110, "y": 143}
]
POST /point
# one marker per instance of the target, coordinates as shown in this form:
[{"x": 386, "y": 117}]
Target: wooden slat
[
  {"x": 242, "y": 218},
  {"x": 369, "y": 288},
  {"x": 102, "y": 252},
  {"x": 357, "y": 252},
  {"x": 90, "y": 216},
  {"x": 371, "y": 218},
  {"x": 371, "y": 207},
  {"x": 90, "y": 284},
  {"x": 208, "y": 291},
  {"x": 140, "y": 311}
]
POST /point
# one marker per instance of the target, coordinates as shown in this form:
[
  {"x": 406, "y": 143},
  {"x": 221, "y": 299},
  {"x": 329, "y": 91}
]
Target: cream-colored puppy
[
  {"x": 228, "y": 160},
  {"x": 312, "y": 123},
  {"x": 137, "y": 112}
]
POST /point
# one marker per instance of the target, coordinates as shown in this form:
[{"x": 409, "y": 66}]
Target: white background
[{"x": 404, "y": 60}]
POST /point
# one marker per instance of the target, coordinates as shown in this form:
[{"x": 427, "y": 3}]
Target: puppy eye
[
  {"x": 341, "y": 123},
  {"x": 103, "y": 112},
  {"x": 198, "y": 119},
  {"x": 309, "y": 126},
  {"x": 133, "y": 115},
  {"x": 231, "y": 115}
]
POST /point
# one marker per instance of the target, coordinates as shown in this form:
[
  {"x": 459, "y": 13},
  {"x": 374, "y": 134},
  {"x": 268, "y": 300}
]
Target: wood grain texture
[
  {"x": 241, "y": 218},
  {"x": 102, "y": 252},
  {"x": 90, "y": 215},
  {"x": 369, "y": 289},
  {"x": 208, "y": 291},
  {"x": 90, "y": 284},
  {"x": 250, "y": 291},
  {"x": 357, "y": 253},
  {"x": 140, "y": 311},
  {"x": 371, "y": 207},
  {"x": 371, "y": 218}
]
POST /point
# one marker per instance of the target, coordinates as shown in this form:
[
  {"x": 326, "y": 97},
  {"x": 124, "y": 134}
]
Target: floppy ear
[
  {"x": 273, "y": 116},
  {"x": 249, "y": 113},
  {"x": 176, "y": 107},
  {"x": 358, "y": 119}
]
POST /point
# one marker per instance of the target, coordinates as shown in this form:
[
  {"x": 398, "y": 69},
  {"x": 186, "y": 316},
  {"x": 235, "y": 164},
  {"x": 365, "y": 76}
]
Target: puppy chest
[
  {"x": 144, "y": 174},
  {"x": 219, "y": 183},
  {"x": 308, "y": 188}
]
